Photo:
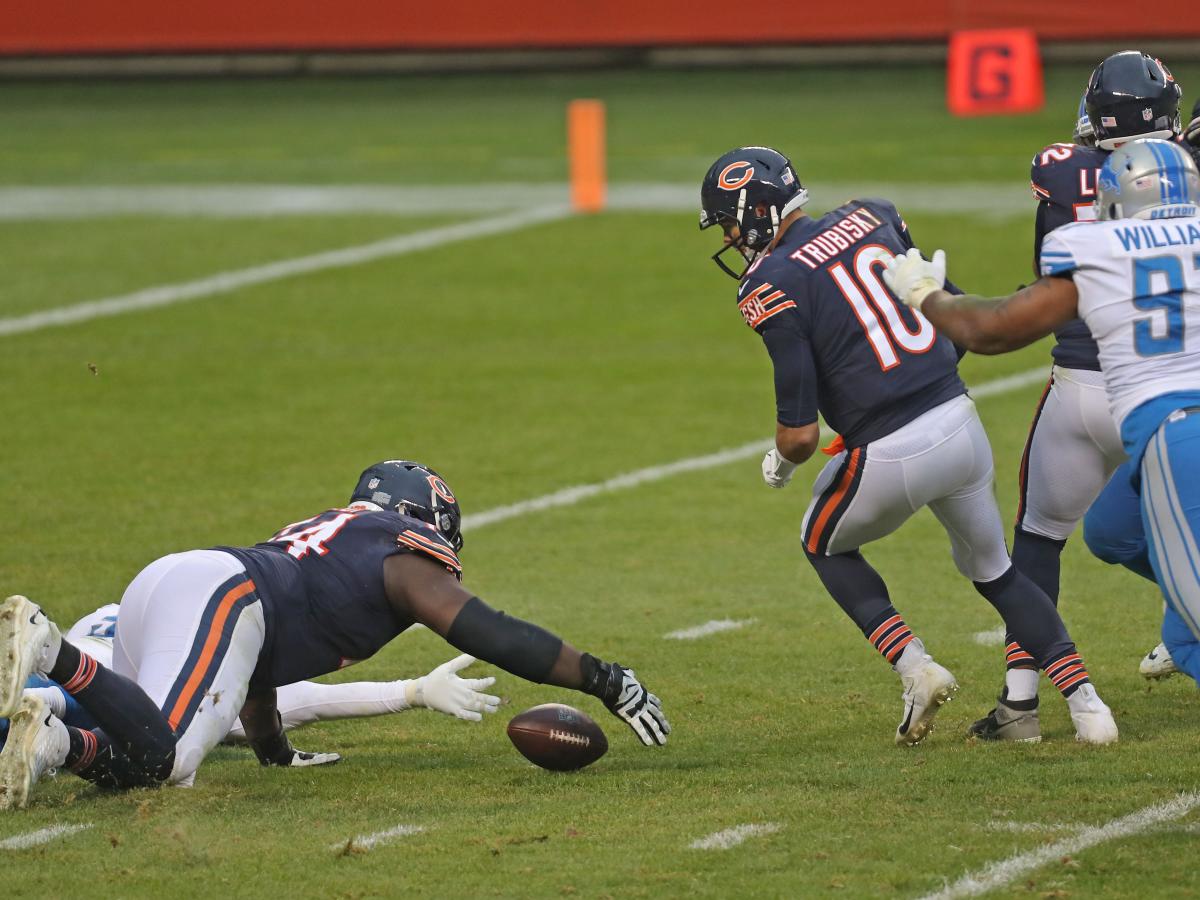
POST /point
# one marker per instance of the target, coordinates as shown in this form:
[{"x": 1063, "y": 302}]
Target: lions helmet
[
  {"x": 412, "y": 489},
  {"x": 1148, "y": 179},
  {"x": 753, "y": 188},
  {"x": 1132, "y": 95}
]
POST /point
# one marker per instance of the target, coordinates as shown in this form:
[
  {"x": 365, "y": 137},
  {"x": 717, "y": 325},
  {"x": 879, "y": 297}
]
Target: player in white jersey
[
  {"x": 304, "y": 702},
  {"x": 1134, "y": 278}
]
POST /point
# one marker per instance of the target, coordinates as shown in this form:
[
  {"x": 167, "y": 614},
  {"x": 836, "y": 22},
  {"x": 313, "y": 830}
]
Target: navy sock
[
  {"x": 862, "y": 595},
  {"x": 133, "y": 726},
  {"x": 1039, "y": 559}
]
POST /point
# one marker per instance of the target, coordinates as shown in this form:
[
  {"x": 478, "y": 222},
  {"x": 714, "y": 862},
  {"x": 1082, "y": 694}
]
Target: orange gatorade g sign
[{"x": 994, "y": 71}]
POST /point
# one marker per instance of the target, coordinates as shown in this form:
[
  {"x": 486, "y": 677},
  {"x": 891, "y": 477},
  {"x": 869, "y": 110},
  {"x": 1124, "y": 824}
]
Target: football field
[{"x": 220, "y": 301}]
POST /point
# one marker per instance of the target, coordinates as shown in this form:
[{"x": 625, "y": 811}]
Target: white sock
[
  {"x": 306, "y": 702},
  {"x": 1022, "y": 684},
  {"x": 911, "y": 657}
]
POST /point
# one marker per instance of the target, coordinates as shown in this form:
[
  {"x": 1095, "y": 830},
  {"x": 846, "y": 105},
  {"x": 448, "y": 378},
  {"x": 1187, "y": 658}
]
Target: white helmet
[{"x": 1148, "y": 179}]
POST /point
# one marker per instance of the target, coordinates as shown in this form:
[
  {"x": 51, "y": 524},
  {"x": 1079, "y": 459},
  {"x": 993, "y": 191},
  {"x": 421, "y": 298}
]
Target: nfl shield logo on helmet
[
  {"x": 1147, "y": 114},
  {"x": 372, "y": 484}
]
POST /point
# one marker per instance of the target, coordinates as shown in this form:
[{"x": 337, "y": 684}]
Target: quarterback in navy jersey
[
  {"x": 205, "y": 637},
  {"x": 843, "y": 347},
  {"x": 1073, "y": 447}
]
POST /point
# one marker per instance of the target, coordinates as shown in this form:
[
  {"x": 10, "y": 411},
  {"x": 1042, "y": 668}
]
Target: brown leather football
[{"x": 557, "y": 737}]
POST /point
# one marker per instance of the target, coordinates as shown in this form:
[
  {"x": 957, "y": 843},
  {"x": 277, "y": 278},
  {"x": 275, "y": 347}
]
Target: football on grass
[{"x": 557, "y": 737}]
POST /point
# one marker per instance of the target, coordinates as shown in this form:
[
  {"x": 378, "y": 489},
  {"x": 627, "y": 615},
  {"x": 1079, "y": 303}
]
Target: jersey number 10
[{"x": 891, "y": 332}]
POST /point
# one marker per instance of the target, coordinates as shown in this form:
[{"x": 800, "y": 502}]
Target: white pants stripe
[{"x": 1174, "y": 543}]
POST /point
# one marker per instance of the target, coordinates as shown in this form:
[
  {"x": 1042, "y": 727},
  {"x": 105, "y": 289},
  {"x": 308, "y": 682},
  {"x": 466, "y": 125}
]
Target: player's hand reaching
[
  {"x": 627, "y": 699},
  {"x": 444, "y": 691},
  {"x": 278, "y": 751},
  {"x": 913, "y": 278},
  {"x": 777, "y": 469}
]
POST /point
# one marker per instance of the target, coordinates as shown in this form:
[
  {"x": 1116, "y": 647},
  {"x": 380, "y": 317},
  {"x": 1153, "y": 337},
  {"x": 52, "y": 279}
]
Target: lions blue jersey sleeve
[
  {"x": 1063, "y": 178},
  {"x": 322, "y": 588},
  {"x": 841, "y": 345}
]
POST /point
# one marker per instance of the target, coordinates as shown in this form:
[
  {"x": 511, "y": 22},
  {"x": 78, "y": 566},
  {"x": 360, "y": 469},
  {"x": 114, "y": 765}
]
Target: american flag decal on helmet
[{"x": 762, "y": 303}]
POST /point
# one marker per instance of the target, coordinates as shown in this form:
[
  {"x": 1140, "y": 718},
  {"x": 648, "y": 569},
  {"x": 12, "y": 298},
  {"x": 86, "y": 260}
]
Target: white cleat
[
  {"x": 28, "y": 643},
  {"x": 925, "y": 690},
  {"x": 1158, "y": 664},
  {"x": 1094, "y": 723},
  {"x": 37, "y": 745}
]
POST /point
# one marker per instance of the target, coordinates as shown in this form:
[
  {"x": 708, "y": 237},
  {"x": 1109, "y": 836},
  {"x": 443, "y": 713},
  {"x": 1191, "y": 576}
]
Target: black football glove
[
  {"x": 1191, "y": 133},
  {"x": 278, "y": 751},
  {"x": 619, "y": 689}
]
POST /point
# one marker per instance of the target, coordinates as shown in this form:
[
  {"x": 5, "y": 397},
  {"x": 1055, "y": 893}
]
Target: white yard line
[
  {"x": 992, "y": 638},
  {"x": 371, "y": 841},
  {"x": 569, "y": 496},
  {"x": 41, "y": 836},
  {"x": 731, "y": 837},
  {"x": 225, "y": 201},
  {"x": 716, "y": 626},
  {"x": 1006, "y": 871},
  {"x": 224, "y": 282}
]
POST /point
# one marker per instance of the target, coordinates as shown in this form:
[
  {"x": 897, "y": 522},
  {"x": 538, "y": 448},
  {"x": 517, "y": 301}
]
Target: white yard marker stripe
[
  {"x": 371, "y": 841},
  {"x": 731, "y": 837},
  {"x": 569, "y": 496},
  {"x": 993, "y": 638},
  {"x": 224, "y": 282},
  {"x": 42, "y": 836},
  {"x": 1006, "y": 871},
  {"x": 716, "y": 626}
]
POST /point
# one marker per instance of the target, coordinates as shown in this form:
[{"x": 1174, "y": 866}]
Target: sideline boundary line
[
  {"x": 1006, "y": 871},
  {"x": 42, "y": 836},
  {"x": 225, "y": 282},
  {"x": 569, "y": 496}
]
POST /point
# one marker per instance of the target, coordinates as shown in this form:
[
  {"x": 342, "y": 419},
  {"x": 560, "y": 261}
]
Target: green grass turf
[
  {"x": 838, "y": 123},
  {"x": 562, "y": 354}
]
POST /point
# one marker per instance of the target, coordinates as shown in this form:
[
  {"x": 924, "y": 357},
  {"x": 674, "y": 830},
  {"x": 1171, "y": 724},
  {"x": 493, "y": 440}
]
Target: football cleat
[
  {"x": 1004, "y": 723},
  {"x": 1158, "y": 664},
  {"x": 29, "y": 641},
  {"x": 37, "y": 745},
  {"x": 925, "y": 690},
  {"x": 1093, "y": 720}
]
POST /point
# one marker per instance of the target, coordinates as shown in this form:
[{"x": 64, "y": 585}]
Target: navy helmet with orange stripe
[
  {"x": 412, "y": 489},
  {"x": 752, "y": 188}
]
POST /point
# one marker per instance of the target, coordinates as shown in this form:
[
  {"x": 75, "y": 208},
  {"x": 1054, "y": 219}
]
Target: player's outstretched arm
[
  {"x": 982, "y": 325},
  {"x": 420, "y": 589},
  {"x": 264, "y": 731}
]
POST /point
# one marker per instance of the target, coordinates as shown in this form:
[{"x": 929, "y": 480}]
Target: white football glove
[
  {"x": 777, "y": 469},
  {"x": 300, "y": 758},
  {"x": 641, "y": 710},
  {"x": 444, "y": 691},
  {"x": 913, "y": 278},
  {"x": 277, "y": 751}
]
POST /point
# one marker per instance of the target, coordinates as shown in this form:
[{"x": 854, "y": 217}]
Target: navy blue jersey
[
  {"x": 840, "y": 342},
  {"x": 321, "y": 585},
  {"x": 1063, "y": 178}
]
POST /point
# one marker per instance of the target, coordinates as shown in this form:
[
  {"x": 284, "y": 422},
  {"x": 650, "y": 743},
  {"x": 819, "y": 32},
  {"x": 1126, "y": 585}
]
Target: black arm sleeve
[
  {"x": 795, "y": 376},
  {"x": 1039, "y": 232},
  {"x": 522, "y": 648}
]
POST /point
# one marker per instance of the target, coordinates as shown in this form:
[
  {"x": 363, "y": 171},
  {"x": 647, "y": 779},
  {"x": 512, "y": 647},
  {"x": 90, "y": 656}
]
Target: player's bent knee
[{"x": 1109, "y": 544}]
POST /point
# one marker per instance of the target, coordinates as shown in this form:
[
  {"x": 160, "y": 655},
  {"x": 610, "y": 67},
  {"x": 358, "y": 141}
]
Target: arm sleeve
[{"x": 795, "y": 375}]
